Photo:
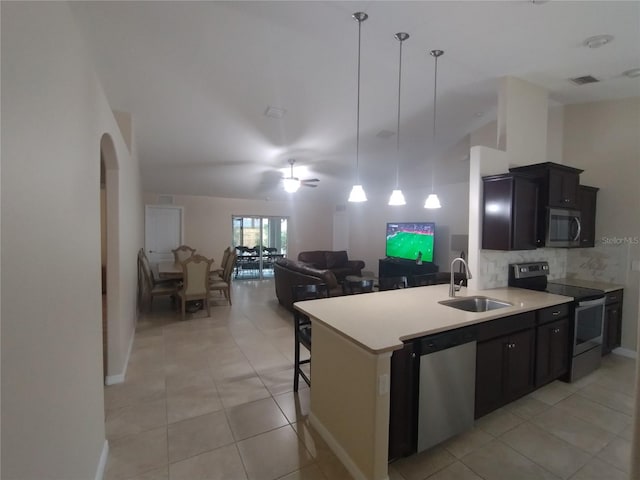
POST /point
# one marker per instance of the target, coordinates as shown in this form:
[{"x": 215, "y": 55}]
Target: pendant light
[
  {"x": 357, "y": 192},
  {"x": 432, "y": 200},
  {"x": 397, "y": 198}
]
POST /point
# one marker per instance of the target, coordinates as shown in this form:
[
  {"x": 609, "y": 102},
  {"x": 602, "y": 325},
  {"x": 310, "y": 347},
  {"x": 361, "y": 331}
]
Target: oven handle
[{"x": 591, "y": 303}]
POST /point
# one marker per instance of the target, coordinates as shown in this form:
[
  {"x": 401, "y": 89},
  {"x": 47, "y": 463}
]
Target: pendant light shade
[
  {"x": 432, "y": 200},
  {"x": 397, "y": 198},
  {"x": 357, "y": 192}
]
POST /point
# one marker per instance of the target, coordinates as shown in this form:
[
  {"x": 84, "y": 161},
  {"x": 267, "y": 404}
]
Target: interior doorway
[
  {"x": 103, "y": 263},
  {"x": 259, "y": 242}
]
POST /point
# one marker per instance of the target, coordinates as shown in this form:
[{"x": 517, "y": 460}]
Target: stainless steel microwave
[{"x": 563, "y": 228}]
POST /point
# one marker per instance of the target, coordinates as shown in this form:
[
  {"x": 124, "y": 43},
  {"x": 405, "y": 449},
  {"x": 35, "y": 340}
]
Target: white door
[{"x": 162, "y": 232}]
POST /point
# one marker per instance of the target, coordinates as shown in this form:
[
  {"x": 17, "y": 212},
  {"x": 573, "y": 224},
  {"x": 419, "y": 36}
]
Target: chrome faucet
[{"x": 453, "y": 288}]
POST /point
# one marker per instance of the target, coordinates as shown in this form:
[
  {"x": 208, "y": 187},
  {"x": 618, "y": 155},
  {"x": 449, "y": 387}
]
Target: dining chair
[
  {"x": 183, "y": 252},
  {"x": 392, "y": 283},
  {"x": 195, "y": 274},
  {"x": 351, "y": 287},
  {"x": 152, "y": 288},
  {"x": 224, "y": 284},
  {"x": 302, "y": 328},
  {"x": 216, "y": 273}
]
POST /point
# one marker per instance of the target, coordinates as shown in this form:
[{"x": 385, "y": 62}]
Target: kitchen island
[{"x": 353, "y": 340}]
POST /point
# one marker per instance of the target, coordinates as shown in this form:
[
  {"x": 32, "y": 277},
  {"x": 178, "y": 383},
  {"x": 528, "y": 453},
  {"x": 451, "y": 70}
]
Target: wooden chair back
[
  {"x": 183, "y": 252},
  {"x": 195, "y": 272}
]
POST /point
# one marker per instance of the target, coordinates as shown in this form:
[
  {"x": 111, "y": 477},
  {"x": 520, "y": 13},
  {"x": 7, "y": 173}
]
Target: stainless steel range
[{"x": 588, "y": 307}]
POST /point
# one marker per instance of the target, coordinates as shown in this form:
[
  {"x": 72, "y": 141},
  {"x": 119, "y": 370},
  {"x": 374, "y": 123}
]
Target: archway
[{"x": 109, "y": 250}]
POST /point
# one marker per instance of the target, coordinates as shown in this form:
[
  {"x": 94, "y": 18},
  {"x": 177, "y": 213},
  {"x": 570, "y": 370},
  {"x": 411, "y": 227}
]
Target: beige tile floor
[{"x": 211, "y": 398}]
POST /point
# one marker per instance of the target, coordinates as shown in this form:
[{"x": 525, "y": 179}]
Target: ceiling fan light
[
  {"x": 357, "y": 194},
  {"x": 432, "y": 201},
  {"x": 397, "y": 198},
  {"x": 291, "y": 185}
]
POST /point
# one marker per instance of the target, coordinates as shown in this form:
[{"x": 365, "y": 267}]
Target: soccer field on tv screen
[{"x": 407, "y": 245}]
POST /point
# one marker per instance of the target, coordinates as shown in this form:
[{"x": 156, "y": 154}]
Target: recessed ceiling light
[
  {"x": 275, "y": 112},
  {"x": 633, "y": 73},
  {"x": 597, "y": 41}
]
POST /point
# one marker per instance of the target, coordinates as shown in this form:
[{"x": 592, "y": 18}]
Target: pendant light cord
[
  {"x": 358, "y": 108},
  {"x": 398, "y": 132},
  {"x": 435, "y": 54}
]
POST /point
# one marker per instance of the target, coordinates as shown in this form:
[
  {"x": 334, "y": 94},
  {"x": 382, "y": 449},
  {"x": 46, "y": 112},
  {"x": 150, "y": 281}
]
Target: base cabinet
[
  {"x": 403, "y": 408},
  {"x": 504, "y": 361},
  {"x": 612, "y": 329},
  {"x": 552, "y": 351}
]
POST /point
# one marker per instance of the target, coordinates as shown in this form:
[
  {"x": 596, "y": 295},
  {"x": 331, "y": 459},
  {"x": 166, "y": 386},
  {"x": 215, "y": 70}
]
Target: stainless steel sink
[{"x": 475, "y": 304}]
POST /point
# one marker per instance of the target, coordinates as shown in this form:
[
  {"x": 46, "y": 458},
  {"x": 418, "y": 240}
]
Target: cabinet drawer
[
  {"x": 550, "y": 314},
  {"x": 506, "y": 325},
  {"x": 614, "y": 297}
]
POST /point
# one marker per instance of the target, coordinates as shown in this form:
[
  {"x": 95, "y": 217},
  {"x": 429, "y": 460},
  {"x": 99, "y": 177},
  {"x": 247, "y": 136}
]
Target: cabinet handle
[
  {"x": 556, "y": 330},
  {"x": 413, "y": 355},
  {"x": 612, "y": 297},
  {"x": 556, "y": 313}
]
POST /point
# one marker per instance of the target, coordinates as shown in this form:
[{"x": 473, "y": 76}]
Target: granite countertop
[
  {"x": 379, "y": 322},
  {"x": 576, "y": 282}
]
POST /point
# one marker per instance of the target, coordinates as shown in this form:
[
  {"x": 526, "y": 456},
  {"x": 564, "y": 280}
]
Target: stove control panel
[{"x": 528, "y": 270}]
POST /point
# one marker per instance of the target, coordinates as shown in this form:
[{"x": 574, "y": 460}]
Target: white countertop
[
  {"x": 381, "y": 321},
  {"x": 576, "y": 282}
]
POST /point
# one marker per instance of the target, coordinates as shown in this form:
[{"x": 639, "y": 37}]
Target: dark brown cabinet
[
  {"x": 403, "y": 414},
  {"x": 587, "y": 203},
  {"x": 612, "y": 329},
  {"x": 509, "y": 212},
  {"x": 552, "y": 351},
  {"x": 504, "y": 364},
  {"x": 558, "y": 183}
]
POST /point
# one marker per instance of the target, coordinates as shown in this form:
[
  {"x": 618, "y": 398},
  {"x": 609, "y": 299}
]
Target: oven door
[
  {"x": 589, "y": 318},
  {"x": 563, "y": 228}
]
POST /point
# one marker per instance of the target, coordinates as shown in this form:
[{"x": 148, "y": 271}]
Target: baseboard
[
  {"x": 625, "y": 352},
  {"x": 102, "y": 464},
  {"x": 119, "y": 378},
  {"x": 337, "y": 449}
]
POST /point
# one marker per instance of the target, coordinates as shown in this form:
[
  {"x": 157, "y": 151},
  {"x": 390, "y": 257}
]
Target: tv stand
[{"x": 394, "y": 267}]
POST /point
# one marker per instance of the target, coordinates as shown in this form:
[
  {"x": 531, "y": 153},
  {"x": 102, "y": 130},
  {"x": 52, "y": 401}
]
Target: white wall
[
  {"x": 54, "y": 114},
  {"x": 602, "y": 138},
  {"x": 207, "y": 221}
]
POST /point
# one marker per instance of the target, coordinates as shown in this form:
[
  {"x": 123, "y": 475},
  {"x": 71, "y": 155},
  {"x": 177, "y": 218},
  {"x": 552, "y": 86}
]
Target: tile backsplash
[
  {"x": 604, "y": 263},
  {"x": 494, "y": 265}
]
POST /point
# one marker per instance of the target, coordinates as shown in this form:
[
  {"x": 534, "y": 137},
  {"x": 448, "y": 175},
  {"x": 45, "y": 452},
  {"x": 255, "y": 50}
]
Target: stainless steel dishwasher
[{"x": 446, "y": 393}]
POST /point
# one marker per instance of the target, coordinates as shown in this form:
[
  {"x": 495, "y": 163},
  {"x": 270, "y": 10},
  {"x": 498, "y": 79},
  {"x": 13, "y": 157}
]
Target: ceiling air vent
[{"x": 584, "y": 80}]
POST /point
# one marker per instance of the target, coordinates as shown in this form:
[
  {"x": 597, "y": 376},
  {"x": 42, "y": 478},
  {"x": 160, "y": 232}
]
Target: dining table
[{"x": 173, "y": 270}]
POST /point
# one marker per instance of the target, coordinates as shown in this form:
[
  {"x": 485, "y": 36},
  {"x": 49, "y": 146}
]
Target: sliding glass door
[{"x": 259, "y": 242}]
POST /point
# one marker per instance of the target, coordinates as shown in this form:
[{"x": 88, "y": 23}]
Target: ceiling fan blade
[
  {"x": 308, "y": 185},
  {"x": 307, "y": 180}
]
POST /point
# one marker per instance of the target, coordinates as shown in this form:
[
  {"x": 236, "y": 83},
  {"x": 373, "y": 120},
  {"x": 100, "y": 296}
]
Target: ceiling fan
[{"x": 291, "y": 183}]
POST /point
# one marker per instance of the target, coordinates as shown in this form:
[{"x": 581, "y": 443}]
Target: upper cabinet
[
  {"x": 587, "y": 207},
  {"x": 558, "y": 183},
  {"x": 509, "y": 212}
]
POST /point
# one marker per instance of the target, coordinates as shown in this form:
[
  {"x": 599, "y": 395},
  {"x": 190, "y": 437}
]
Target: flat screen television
[{"x": 407, "y": 240}]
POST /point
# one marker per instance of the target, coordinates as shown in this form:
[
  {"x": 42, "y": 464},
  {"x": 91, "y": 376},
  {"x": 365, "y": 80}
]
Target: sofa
[
  {"x": 288, "y": 272},
  {"x": 336, "y": 261}
]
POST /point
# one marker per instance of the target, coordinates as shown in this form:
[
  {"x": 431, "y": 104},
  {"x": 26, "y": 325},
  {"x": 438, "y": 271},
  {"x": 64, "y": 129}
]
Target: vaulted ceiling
[{"x": 198, "y": 78}]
